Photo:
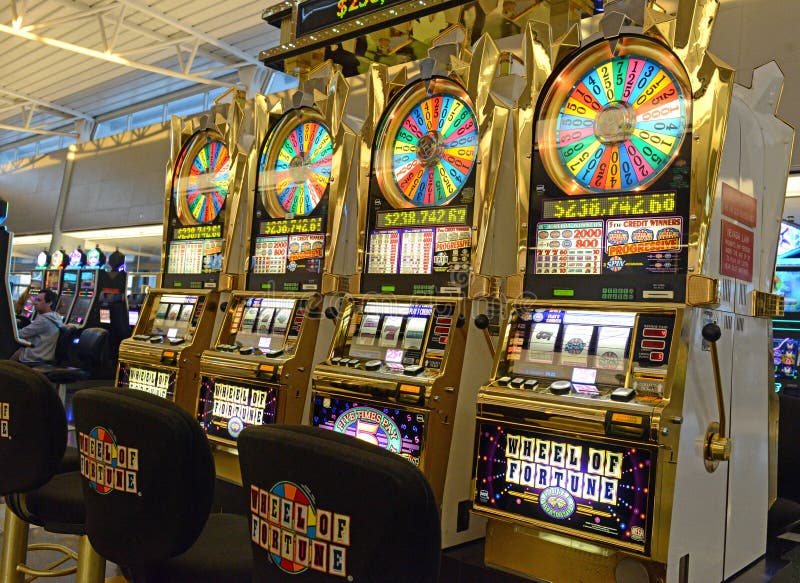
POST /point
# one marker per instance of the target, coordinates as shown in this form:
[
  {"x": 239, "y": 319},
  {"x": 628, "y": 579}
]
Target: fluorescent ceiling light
[
  {"x": 120, "y": 233},
  {"x": 33, "y": 240},
  {"x": 793, "y": 186}
]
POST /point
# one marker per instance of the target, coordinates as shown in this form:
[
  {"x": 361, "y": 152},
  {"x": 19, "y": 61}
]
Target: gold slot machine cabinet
[
  {"x": 201, "y": 199},
  {"x": 258, "y": 370},
  {"x": 624, "y": 433},
  {"x": 402, "y": 367}
]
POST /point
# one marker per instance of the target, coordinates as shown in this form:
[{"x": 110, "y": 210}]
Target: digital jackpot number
[
  {"x": 422, "y": 217},
  {"x": 312, "y": 225},
  {"x": 611, "y": 206}
]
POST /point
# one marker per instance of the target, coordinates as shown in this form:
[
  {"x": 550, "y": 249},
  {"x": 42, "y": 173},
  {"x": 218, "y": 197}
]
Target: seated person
[{"x": 41, "y": 336}]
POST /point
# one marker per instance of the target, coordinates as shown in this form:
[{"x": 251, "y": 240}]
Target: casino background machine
[
  {"x": 258, "y": 370},
  {"x": 429, "y": 166},
  {"x": 201, "y": 202},
  {"x": 36, "y": 285},
  {"x": 619, "y": 438},
  {"x": 8, "y": 322}
]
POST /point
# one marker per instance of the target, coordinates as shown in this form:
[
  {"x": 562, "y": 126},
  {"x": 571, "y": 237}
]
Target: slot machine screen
[
  {"x": 584, "y": 347},
  {"x": 787, "y": 284},
  {"x": 68, "y": 289},
  {"x": 88, "y": 278},
  {"x": 105, "y": 316},
  {"x": 173, "y": 316},
  {"x": 394, "y": 333},
  {"x": 262, "y": 323},
  {"x": 227, "y": 407},
  {"x": 80, "y": 310},
  {"x": 395, "y": 429},
  {"x": 133, "y": 317}
]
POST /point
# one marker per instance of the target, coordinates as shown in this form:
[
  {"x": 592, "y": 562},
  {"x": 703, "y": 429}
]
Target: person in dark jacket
[{"x": 41, "y": 336}]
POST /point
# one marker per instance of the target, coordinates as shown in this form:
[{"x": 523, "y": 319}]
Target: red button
[
  {"x": 657, "y": 356},
  {"x": 655, "y": 332},
  {"x": 654, "y": 344}
]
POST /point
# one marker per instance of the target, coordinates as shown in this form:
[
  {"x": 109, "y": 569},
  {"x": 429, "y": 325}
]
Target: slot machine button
[
  {"x": 622, "y": 394},
  {"x": 273, "y": 353},
  {"x": 516, "y": 382},
  {"x": 530, "y": 384},
  {"x": 373, "y": 364},
  {"x": 156, "y": 339},
  {"x": 503, "y": 381},
  {"x": 657, "y": 356},
  {"x": 175, "y": 341},
  {"x": 413, "y": 370},
  {"x": 560, "y": 387},
  {"x": 336, "y": 360},
  {"x": 142, "y": 337},
  {"x": 246, "y": 350},
  {"x": 353, "y": 362}
]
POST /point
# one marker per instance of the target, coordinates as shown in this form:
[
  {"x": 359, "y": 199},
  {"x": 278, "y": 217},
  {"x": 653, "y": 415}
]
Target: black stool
[
  {"x": 325, "y": 506},
  {"x": 78, "y": 354},
  {"x": 148, "y": 486},
  {"x": 33, "y": 436}
]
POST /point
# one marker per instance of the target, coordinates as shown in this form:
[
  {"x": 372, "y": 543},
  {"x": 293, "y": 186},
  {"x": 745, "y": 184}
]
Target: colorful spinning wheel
[
  {"x": 202, "y": 177},
  {"x": 616, "y": 119},
  {"x": 295, "y": 166},
  {"x": 427, "y": 145}
]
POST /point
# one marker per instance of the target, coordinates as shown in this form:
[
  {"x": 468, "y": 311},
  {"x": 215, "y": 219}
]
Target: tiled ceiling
[{"x": 68, "y": 62}]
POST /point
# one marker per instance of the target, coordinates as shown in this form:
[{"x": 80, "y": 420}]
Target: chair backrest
[
  {"x": 65, "y": 346},
  {"x": 148, "y": 475},
  {"x": 93, "y": 346},
  {"x": 33, "y": 428},
  {"x": 324, "y": 503},
  {"x": 788, "y": 450}
]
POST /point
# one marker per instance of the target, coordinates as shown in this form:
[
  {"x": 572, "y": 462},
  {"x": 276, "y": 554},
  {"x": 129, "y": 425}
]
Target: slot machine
[
  {"x": 401, "y": 371},
  {"x": 27, "y": 311},
  {"x": 9, "y": 341},
  {"x": 624, "y": 432},
  {"x": 54, "y": 274},
  {"x": 258, "y": 370},
  {"x": 786, "y": 330},
  {"x": 178, "y": 317},
  {"x": 69, "y": 283},
  {"x": 100, "y": 299}
]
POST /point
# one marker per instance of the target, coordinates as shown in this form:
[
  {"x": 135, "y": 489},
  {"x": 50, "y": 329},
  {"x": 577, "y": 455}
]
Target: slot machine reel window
[
  {"x": 585, "y": 348},
  {"x": 262, "y": 324},
  {"x": 616, "y": 119},
  {"x": 394, "y": 333},
  {"x": 173, "y": 317}
]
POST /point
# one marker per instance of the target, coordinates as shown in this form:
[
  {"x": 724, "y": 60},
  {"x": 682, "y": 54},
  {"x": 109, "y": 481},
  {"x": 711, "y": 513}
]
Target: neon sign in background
[{"x": 590, "y": 487}]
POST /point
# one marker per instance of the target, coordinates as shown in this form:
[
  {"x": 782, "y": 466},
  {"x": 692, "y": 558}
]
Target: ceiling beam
[
  {"x": 110, "y": 58},
  {"x": 38, "y": 131},
  {"x": 40, "y": 102}
]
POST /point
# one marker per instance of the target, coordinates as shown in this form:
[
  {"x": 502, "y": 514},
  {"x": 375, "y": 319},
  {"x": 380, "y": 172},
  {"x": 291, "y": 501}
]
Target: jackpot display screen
[
  {"x": 227, "y": 407},
  {"x": 175, "y": 315},
  {"x": 265, "y": 323},
  {"x": 422, "y": 192},
  {"x": 609, "y": 210},
  {"x": 588, "y": 348},
  {"x": 589, "y": 487},
  {"x": 290, "y": 218},
  {"x": 395, "y": 429},
  {"x": 398, "y": 333},
  {"x": 197, "y": 213}
]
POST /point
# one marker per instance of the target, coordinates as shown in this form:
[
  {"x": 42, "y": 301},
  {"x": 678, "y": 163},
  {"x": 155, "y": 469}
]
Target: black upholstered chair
[
  {"x": 784, "y": 514},
  {"x": 327, "y": 507},
  {"x": 34, "y": 478},
  {"x": 80, "y": 355},
  {"x": 148, "y": 485}
]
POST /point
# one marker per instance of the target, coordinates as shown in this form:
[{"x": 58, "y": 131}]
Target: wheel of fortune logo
[{"x": 107, "y": 465}]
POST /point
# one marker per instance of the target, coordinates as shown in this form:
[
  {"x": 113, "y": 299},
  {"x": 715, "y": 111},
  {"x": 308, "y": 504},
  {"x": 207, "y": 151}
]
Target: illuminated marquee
[
  {"x": 298, "y": 536},
  {"x": 542, "y": 464},
  {"x": 150, "y": 381},
  {"x": 239, "y": 405},
  {"x": 107, "y": 465},
  {"x": 372, "y": 426},
  {"x": 5, "y": 419}
]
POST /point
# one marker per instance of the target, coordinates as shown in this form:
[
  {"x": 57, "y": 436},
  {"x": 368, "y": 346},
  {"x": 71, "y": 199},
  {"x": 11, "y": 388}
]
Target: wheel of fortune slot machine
[
  {"x": 178, "y": 318},
  {"x": 605, "y": 445},
  {"x": 400, "y": 372},
  {"x": 258, "y": 370}
]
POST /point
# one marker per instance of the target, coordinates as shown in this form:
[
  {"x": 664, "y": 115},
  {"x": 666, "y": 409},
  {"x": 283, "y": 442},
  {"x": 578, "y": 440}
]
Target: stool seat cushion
[
  {"x": 57, "y": 506},
  {"x": 63, "y": 374},
  {"x": 783, "y": 516},
  {"x": 221, "y": 555}
]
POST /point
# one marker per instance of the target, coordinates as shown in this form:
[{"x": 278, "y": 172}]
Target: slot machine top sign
[
  {"x": 426, "y": 148},
  {"x": 202, "y": 175},
  {"x": 294, "y": 170},
  {"x": 614, "y": 121}
]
